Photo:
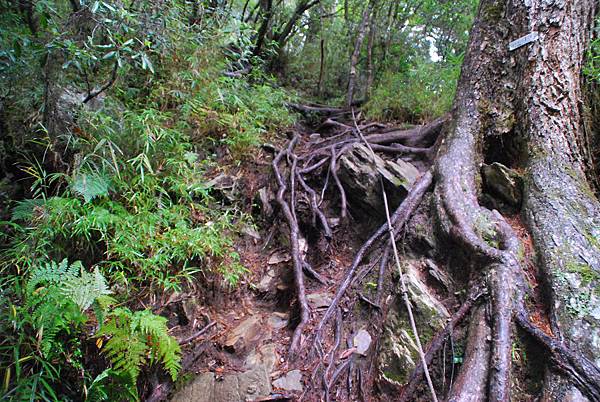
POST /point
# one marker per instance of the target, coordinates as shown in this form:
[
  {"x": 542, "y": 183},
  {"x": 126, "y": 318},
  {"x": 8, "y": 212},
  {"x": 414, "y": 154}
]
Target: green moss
[
  {"x": 486, "y": 230},
  {"x": 585, "y": 271},
  {"x": 594, "y": 240},
  {"x": 394, "y": 376}
]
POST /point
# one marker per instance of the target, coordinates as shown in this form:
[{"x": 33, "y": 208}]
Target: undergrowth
[{"x": 120, "y": 183}]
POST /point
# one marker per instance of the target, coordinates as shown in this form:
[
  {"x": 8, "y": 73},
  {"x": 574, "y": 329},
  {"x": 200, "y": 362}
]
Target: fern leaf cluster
[
  {"x": 135, "y": 337},
  {"x": 57, "y": 295},
  {"x": 72, "y": 281}
]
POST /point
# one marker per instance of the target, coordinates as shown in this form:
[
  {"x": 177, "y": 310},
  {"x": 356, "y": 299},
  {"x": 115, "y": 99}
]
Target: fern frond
[
  {"x": 85, "y": 288},
  {"x": 170, "y": 355},
  {"x": 51, "y": 273},
  {"x": 127, "y": 353},
  {"x": 90, "y": 185},
  {"x": 129, "y": 331},
  {"x": 148, "y": 323},
  {"x": 24, "y": 209}
]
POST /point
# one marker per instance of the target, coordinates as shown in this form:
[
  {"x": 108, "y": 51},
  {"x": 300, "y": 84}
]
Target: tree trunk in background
[
  {"x": 266, "y": 13},
  {"x": 370, "y": 41},
  {"x": 321, "y": 67},
  {"x": 284, "y": 35},
  {"x": 362, "y": 28}
]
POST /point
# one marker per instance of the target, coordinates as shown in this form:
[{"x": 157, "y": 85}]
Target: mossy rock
[{"x": 398, "y": 355}]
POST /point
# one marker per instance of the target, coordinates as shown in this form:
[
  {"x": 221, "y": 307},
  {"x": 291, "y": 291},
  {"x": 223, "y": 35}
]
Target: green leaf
[
  {"x": 90, "y": 186},
  {"x": 146, "y": 63}
]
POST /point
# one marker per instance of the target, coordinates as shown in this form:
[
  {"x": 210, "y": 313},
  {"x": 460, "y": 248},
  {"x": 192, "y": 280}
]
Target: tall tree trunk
[
  {"x": 532, "y": 97},
  {"x": 362, "y": 28},
  {"x": 266, "y": 13},
  {"x": 562, "y": 212}
]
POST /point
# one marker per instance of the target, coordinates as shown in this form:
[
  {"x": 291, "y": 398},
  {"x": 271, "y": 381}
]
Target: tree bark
[
  {"x": 530, "y": 97},
  {"x": 562, "y": 212}
]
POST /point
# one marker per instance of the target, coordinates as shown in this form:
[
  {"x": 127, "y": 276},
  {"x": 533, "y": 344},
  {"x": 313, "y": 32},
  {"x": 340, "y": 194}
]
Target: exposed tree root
[
  {"x": 482, "y": 234},
  {"x": 295, "y": 247},
  {"x": 580, "y": 370}
]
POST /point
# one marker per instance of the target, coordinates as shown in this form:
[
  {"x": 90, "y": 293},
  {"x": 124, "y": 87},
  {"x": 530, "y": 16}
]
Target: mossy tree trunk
[{"x": 529, "y": 98}]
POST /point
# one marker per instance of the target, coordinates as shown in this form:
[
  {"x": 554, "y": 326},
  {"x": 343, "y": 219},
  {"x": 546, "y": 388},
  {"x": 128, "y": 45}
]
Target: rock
[
  {"x": 69, "y": 102},
  {"x": 362, "y": 341},
  {"x": 249, "y": 385},
  {"x": 279, "y": 257},
  {"x": 224, "y": 185},
  {"x": 278, "y": 320},
  {"x": 266, "y": 356},
  {"x": 292, "y": 381},
  {"x": 319, "y": 300},
  {"x": 398, "y": 349},
  {"x": 359, "y": 174},
  {"x": 437, "y": 274},
  {"x": 250, "y": 231},
  {"x": 265, "y": 198},
  {"x": 247, "y": 333},
  {"x": 267, "y": 282},
  {"x": 504, "y": 183}
]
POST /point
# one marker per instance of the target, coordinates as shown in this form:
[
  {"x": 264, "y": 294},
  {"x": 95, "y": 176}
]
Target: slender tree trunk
[
  {"x": 362, "y": 28},
  {"x": 266, "y": 13},
  {"x": 370, "y": 41},
  {"x": 287, "y": 29}
]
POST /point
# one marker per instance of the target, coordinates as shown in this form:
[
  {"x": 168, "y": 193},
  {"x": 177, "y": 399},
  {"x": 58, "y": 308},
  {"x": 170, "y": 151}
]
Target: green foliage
[
  {"x": 592, "y": 67},
  {"x": 90, "y": 186},
  {"x": 52, "y": 325},
  {"x": 420, "y": 94},
  {"x": 135, "y": 335},
  {"x": 120, "y": 183}
]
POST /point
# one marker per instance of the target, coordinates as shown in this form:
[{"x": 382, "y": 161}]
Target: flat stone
[
  {"x": 292, "y": 381},
  {"x": 319, "y": 300},
  {"x": 267, "y": 282},
  {"x": 278, "y": 320},
  {"x": 245, "y": 334},
  {"x": 249, "y": 385},
  {"x": 362, "y": 341},
  {"x": 278, "y": 257},
  {"x": 266, "y": 356},
  {"x": 250, "y": 231},
  {"x": 359, "y": 173}
]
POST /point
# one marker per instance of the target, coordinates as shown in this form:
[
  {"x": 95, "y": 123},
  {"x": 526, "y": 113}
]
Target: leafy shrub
[
  {"x": 592, "y": 67},
  {"x": 121, "y": 185},
  {"x": 52, "y": 325},
  {"x": 422, "y": 93}
]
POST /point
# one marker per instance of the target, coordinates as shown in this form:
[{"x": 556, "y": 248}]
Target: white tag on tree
[{"x": 522, "y": 41}]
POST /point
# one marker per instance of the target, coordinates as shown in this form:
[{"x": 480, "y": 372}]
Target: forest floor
[{"x": 240, "y": 345}]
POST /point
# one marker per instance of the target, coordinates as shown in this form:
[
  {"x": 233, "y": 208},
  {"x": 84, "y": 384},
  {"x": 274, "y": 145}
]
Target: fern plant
[
  {"x": 58, "y": 296},
  {"x": 72, "y": 282},
  {"x": 137, "y": 338}
]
